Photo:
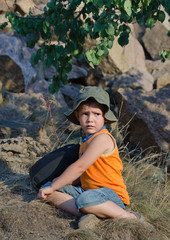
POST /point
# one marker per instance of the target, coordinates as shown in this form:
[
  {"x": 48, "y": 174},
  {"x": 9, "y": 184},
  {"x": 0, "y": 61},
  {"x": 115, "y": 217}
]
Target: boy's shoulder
[{"x": 105, "y": 141}]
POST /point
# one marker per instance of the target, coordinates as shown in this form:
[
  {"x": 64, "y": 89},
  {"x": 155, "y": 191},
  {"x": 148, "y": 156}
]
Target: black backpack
[{"x": 53, "y": 164}]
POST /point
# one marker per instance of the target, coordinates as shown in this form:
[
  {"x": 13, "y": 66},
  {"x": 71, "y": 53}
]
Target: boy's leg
[
  {"x": 65, "y": 197},
  {"x": 64, "y": 201},
  {"x": 103, "y": 202},
  {"x": 108, "y": 209}
]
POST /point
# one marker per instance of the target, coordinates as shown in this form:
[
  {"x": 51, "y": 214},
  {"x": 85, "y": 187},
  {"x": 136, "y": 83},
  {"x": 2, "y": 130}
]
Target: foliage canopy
[{"x": 73, "y": 20}]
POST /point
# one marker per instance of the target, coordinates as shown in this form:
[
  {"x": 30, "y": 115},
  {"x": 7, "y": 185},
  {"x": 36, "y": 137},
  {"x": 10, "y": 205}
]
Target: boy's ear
[{"x": 76, "y": 114}]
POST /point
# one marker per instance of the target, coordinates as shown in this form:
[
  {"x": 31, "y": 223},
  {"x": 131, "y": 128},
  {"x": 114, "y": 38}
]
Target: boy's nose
[{"x": 90, "y": 118}]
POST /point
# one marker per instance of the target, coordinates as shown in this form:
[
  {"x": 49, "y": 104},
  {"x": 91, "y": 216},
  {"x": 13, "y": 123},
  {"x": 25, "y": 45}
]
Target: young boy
[{"x": 101, "y": 190}]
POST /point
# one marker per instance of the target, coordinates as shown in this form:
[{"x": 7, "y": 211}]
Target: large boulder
[
  {"x": 130, "y": 56},
  {"x": 160, "y": 72},
  {"x": 25, "y": 5},
  {"x": 121, "y": 59},
  {"x": 156, "y": 39},
  {"x": 15, "y": 48},
  {"x": 11, "y": 75},
  {"x": 133, "y": 79},
  {"x": 147, "y": 117},
  {"x": 6, "y": 5},
  {"x": 70, "y": 93},
  {"x": 1, "y": 93},
  {"x": 77, "y": 72}
]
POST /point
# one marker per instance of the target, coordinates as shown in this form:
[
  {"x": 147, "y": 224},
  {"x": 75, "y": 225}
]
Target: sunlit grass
[{"x": 149, "y": 190}]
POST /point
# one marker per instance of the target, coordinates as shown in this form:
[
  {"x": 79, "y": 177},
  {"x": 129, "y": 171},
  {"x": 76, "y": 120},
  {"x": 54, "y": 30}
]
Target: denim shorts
[{"x": 90, "y": 197}]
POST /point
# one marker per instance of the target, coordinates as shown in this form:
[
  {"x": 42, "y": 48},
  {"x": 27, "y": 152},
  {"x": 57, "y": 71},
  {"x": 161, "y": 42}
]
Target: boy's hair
[
  {"x": 91, "y": 100},
  {"x": 99, "y": 95}
]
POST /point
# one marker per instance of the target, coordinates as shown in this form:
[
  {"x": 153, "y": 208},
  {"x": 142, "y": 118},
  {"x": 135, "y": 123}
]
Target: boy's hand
[{"x": 44, "y": 192}]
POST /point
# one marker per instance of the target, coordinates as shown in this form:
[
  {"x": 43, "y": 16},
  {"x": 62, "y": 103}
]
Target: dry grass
[{"x": 149, "y": 189}]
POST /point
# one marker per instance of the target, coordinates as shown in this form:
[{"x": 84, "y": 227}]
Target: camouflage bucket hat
[{"x": 100, "y": 95}]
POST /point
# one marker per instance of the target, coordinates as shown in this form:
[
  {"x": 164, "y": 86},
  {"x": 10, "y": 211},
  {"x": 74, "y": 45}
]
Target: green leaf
[
  {"x": 100, "y": 52},
  {"x": 128, "y": 6},
  {"x": 110, "y": 30},
  {"x": 161, "y": 16},
  {"x": 92, "y": 57},
  {"x": 51, "y": 89},
  {"x": 163, "y": 54},
  {"x": 146, "y": 3},
  {"x": 168, "y": 55},
  {"x": 98, "y": 3},
  {"x": 150, "y": 22},
  {"x": 110, "y": 44},
  {"x": 88, "y": 55},
  {"x": 3, "y": 25},
  {"x": 75, "y": 52},
  {"x": 97, "y": 27},
  {"x": 123, "y": 39},
  {"x": 166, "y": 4},
  {"x": 106, "y": 51},
  {"x": 91, "y": 64}
]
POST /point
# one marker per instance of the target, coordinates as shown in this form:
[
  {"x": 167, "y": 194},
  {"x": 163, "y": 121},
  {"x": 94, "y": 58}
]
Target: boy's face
[{"x": 91, "y": 117}]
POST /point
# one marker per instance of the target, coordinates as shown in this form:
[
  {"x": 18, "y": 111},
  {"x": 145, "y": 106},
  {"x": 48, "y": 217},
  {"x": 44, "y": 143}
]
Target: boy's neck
[{"x": 89, "y": 136}]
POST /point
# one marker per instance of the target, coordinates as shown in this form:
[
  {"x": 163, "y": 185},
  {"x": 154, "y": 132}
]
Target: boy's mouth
[{"x": 89, "y": 126}]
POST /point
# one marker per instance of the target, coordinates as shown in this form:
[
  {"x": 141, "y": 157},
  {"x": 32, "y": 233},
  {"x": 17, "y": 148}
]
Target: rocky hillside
[{"x": 32, "y": 123}]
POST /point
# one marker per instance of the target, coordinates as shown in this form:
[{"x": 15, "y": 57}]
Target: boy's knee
[
  {"x": 52, "y": 197},
  {"x": 84, "y": 209},
  {"x": 87, "y": 209}
]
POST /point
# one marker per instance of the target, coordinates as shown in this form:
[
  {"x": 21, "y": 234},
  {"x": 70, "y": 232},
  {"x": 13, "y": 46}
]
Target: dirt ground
[{"x": 24, "y": 217}]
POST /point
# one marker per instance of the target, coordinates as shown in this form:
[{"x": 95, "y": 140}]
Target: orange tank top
[{"x": 105, "y": 171}]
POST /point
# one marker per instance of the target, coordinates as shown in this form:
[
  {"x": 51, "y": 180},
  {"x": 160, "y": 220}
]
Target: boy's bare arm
[{"x": 101, "y": 144}]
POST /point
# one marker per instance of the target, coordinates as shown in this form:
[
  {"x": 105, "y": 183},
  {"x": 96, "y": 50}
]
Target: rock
[
  {"x": 11, "y": 75},
  {"x": 95, "y": 78},
  {"x": 160, "y": 72},
  {"x": 69, "y": 93},
  {"x": 13, "y": 47},
  {"x": 146, "y": 115},
  {"x": 26, "y": 106},
  {"x": 40, "y": 86},
  {"x": 163, "y": 81},
  {"x": 25, "y": 5},
  {"x": 19, "y": 117},
  {"x": 3, "y": 19},
  {"x": 6, "y": 5},
  {"x": 156, "y": 39},
  {"x": 138, "y": 31},
  {"x": 38, "y": 9},
  {"x": 49, "y": 73},
  {"x": 77, "y": 72},
  {"x": 13, "y": 146},
  {"x": 18, "y": 127},
  {"x": 1, "y": 93},
  {"x": 18, "y": 152},
  {"x": 166, "y": 22},
  {"x": 134, "y": 79},
  {"x": 107, "y": 64},
  {"x": 39, "y": 2},
  {"x": 130, "y": 56}
]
